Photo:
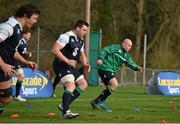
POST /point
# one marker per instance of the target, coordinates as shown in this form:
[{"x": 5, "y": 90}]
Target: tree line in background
[{"x": 118, "y": 19}]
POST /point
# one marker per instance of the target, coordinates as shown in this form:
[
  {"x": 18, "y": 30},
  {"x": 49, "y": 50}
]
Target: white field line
[{"x": 84, "y": 100}]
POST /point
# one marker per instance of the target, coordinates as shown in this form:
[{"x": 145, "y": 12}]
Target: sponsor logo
[
  {"x": 168, "y": 82},
  {"x": 35, "y": 84}
]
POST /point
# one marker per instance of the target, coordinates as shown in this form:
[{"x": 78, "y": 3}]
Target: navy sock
[
  {"x": 66, "y": 99},
  {"x": 77, "y": 92},
  {"x": 18, "y": 87},
  {"x": 103, "y": 96}
]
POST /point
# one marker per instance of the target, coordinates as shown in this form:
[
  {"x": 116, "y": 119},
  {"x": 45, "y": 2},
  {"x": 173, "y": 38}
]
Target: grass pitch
[{"x": 129, "y": 104}]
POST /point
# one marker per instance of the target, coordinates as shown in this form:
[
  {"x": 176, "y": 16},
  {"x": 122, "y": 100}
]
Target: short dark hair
[
  {"x": 80, "y": 23},
  {"x": 27, "y": 10},
  {"x": 25, "y": 31}
]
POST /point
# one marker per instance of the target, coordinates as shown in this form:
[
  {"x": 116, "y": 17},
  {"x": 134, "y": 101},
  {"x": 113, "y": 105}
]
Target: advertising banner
[
  {"x": 35, "y": 84},
  {"x": 168, "y": 82},
  {"x": 151, "y": 86}
]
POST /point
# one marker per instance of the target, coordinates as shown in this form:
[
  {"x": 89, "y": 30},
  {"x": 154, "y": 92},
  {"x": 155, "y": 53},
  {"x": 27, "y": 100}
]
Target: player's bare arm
[
  {"x": 27, "y": 53},
  {"x": 31, "y": 64},
  {"x": 84, "y": 61},
  {"x": 56, "y": 51}
]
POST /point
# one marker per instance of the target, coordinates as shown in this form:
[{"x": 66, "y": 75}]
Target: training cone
[
  {"x": 28, "y": 106},
  {"x": 50, "y": 114},
  {"x": 162, "y": 121},
  {"x": 136, "y": 110},
  {"x": 108, "y": 110},
  {"x": 14, "y": 116}
]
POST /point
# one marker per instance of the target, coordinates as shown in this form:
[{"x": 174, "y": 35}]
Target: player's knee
[
  {"x": 70, "y": 86},
  {"x": 21, "y": 77},
  {"x": 6, "y": 92},
  {"x": 85, "y": 84},
  {"x": 82, "y": 83},
  {"x": 20, "y": 73},
  {"x": 5, "y": 100},
  {"x": 5, "y": 95},
  {"x": 114, "y": 85}
]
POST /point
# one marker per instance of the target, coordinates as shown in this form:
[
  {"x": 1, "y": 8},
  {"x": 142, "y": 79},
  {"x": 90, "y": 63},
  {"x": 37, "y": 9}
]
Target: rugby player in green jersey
[{"x": 111, "y": 58}]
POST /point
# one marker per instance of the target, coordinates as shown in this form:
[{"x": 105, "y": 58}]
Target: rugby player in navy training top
[
  {"x": 23, "y": 50},
  {"x": 68, "y": 50},
  {"x": 10, "y": 36}
]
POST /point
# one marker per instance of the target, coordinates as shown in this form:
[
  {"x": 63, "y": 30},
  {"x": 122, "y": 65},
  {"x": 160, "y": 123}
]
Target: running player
[
  {"x": 10, "y": 36},
  {"x": 23, "y": 50},
  {"x": 110, "y": 59},
  {"x": 69, "y": 49}
]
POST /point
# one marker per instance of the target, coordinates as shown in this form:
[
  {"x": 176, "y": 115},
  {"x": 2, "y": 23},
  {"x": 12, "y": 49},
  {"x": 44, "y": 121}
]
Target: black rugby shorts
[{"x": 105, "y": 76}]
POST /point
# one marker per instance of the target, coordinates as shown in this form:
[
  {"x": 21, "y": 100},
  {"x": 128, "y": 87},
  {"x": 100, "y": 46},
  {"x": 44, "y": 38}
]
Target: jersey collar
[{"x": 14, "y": 22}]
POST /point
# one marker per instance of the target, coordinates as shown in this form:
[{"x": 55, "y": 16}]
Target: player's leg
[
  {"x": 81, "y": 85},
  {"x": 58, "y": 69},
  {"x": 67, "y": 79},
  {"x": 19, "y": 82},
  {"x": 55, "y": 82},
  {"x": 68, "y": 83},
  {"x": 111, "y": 83},
  {"x": 5, "y": 93}
]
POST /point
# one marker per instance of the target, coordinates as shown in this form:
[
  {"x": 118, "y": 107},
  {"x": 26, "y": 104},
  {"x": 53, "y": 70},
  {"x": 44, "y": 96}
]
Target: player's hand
[
  {"x": 32, "y": 65},
  {"x": 140, "y": 69},
  {"x": 87, "y": 67},
  {"x": 99, "y": 62},
  {"x": 72, "y": 63},
  {"x": 30, "y": 54},
  {"x": 8, "y": 69}
]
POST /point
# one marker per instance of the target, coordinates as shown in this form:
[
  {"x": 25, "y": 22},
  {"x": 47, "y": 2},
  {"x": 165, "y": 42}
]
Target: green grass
[{"x": 123, "y": 102}]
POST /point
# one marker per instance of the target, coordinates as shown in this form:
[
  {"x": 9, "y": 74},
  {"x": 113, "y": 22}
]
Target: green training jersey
[{"x": 113, "y": 57}]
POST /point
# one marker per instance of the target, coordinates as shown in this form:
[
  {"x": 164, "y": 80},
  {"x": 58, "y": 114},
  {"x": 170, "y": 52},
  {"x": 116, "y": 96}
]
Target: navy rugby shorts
[
  {"x": 7, "y": 59},
  {"x": 3, "y": 77},
  {"x": 62, "y": 69}
]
